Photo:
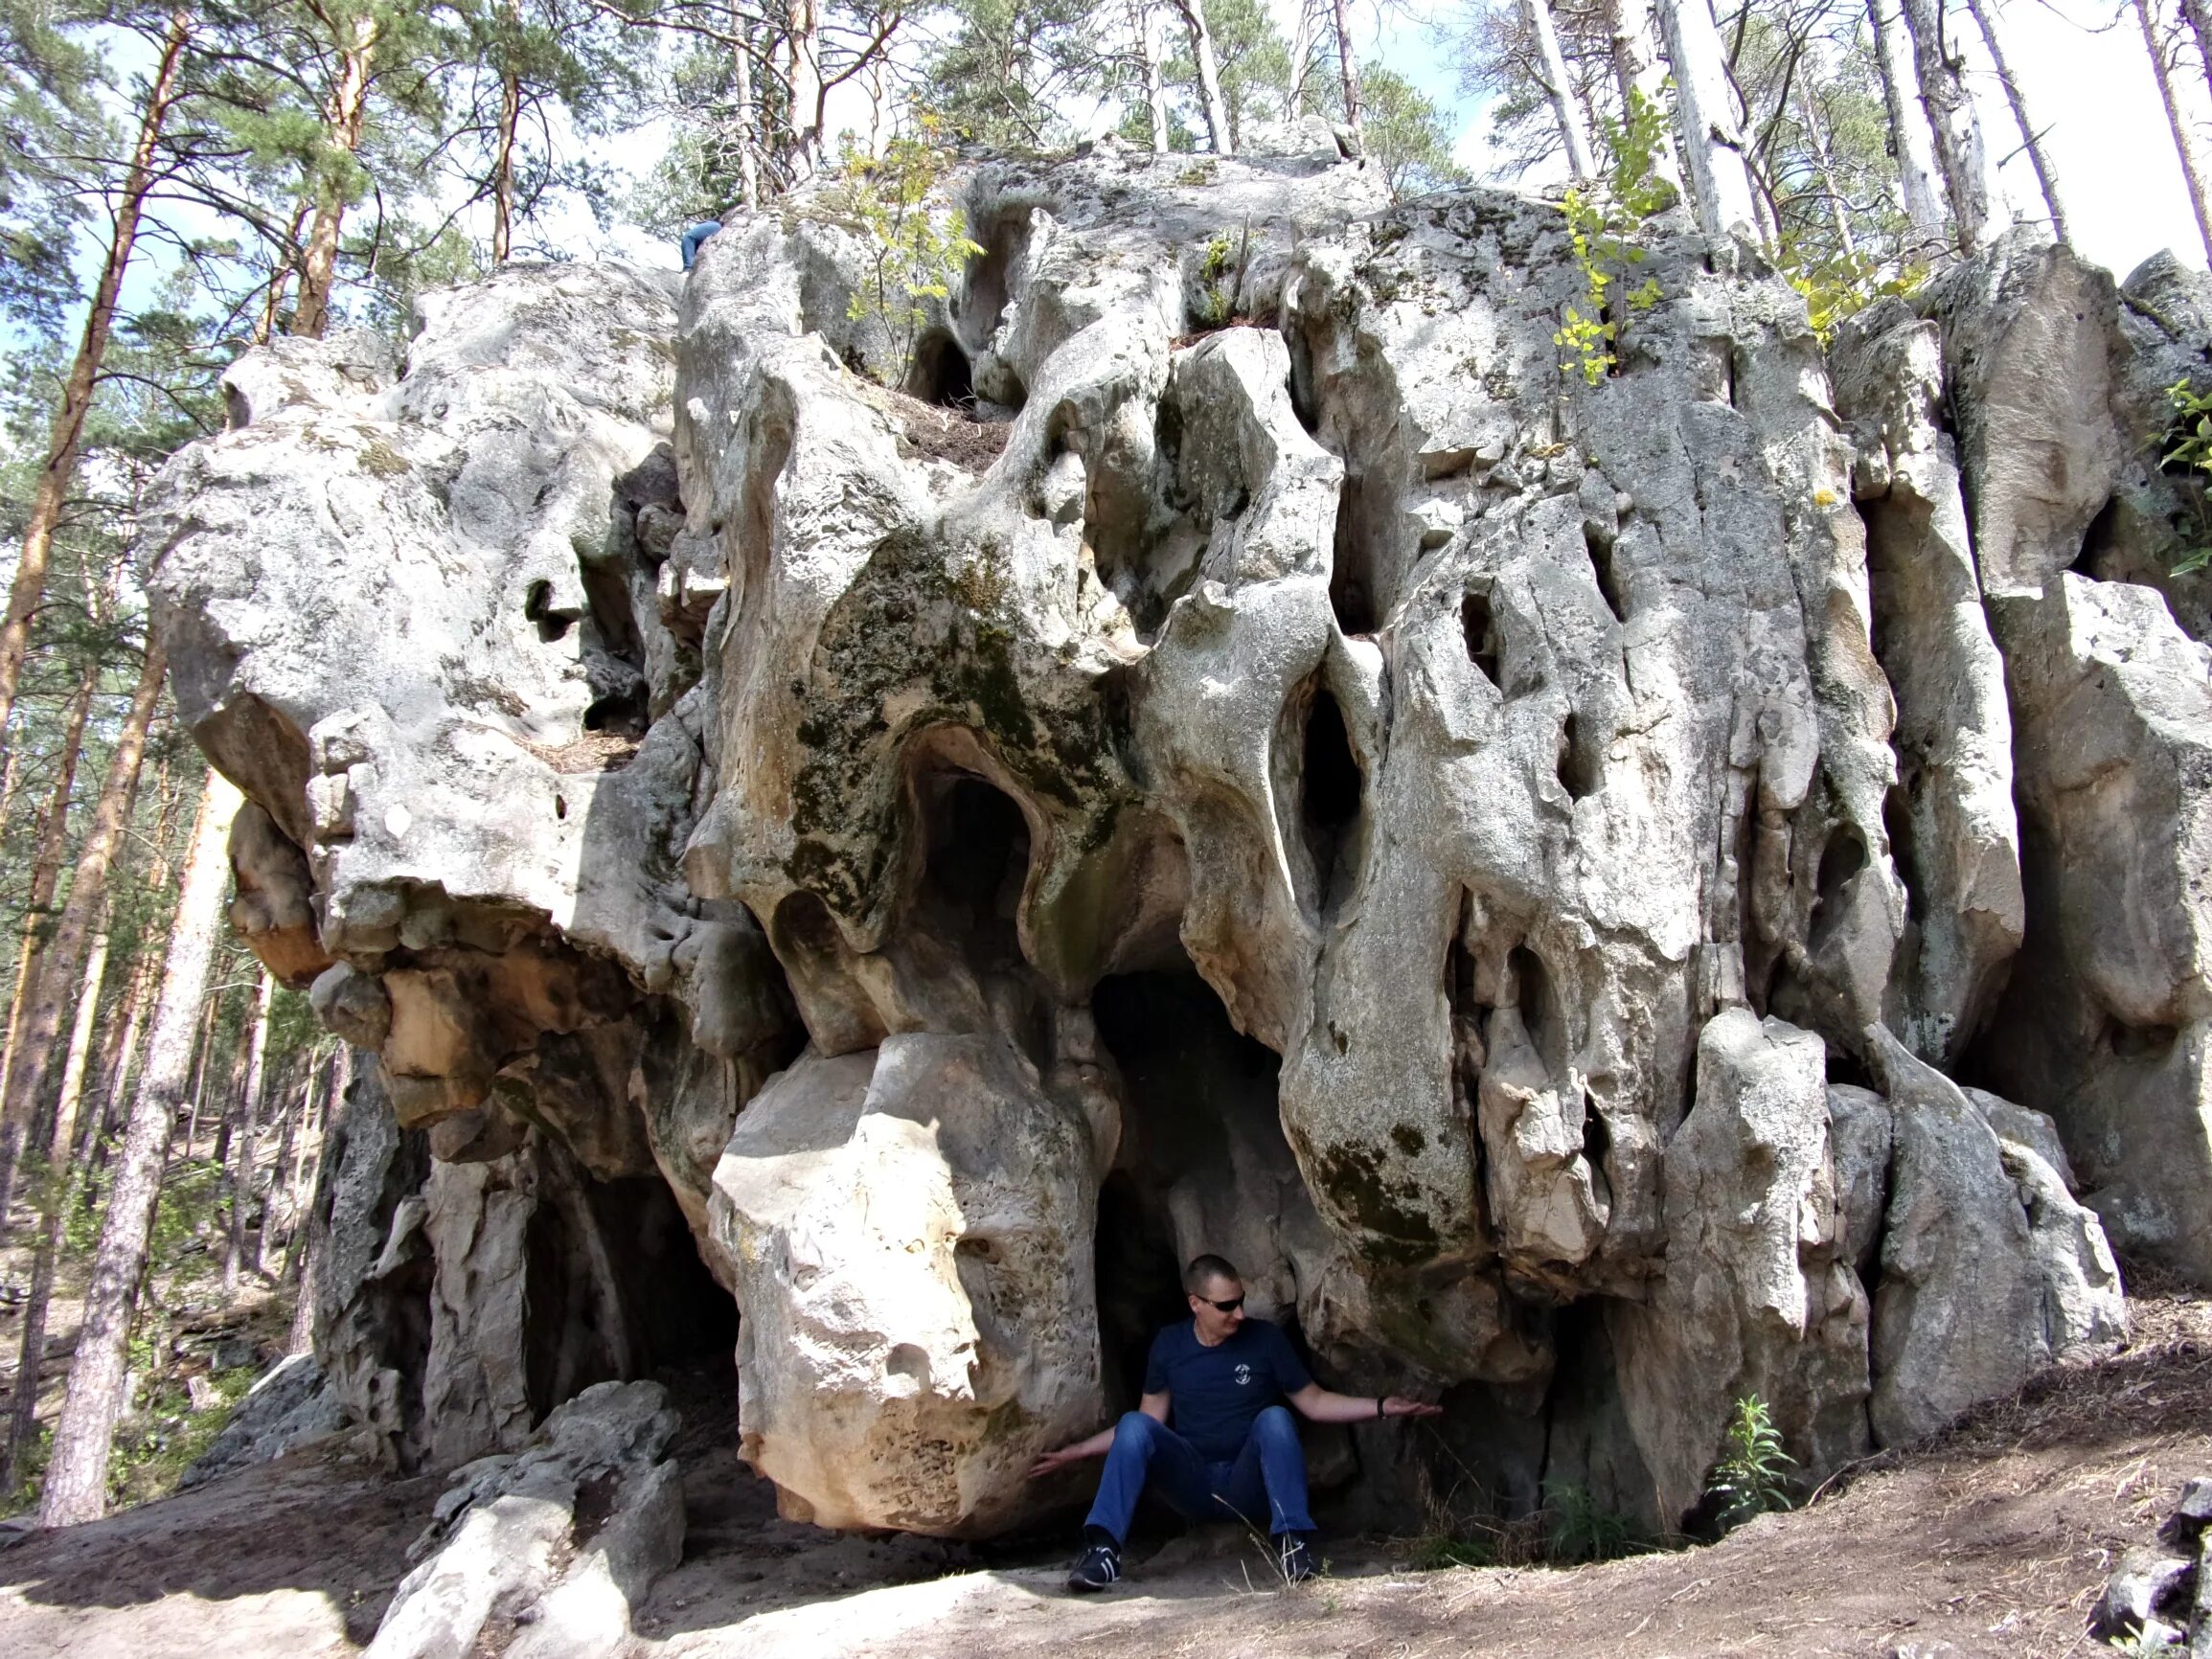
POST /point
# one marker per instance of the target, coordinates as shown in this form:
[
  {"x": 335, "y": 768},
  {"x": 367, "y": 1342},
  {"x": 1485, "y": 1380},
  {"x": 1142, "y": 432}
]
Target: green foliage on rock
[
  {"x": 1751, "y": 1477},
  {"x": 914, "y": 245}
]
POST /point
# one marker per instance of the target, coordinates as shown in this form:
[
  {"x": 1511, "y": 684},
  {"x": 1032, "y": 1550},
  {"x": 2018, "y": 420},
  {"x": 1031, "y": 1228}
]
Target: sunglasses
[{"x": 1229, "y": 1307}]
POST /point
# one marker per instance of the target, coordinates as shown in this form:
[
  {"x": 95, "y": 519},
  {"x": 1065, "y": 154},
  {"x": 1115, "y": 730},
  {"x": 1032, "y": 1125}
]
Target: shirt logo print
[{"x": 1243, "y": 1375}]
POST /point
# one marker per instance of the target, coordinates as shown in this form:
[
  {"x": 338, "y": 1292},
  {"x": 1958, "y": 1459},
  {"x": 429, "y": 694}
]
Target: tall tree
[
  {"x": 249, "y": 1127},
  {"x": 64, "y": 444},
  {"x": 2178, "y": 122},
  {"x": 1909, "y": 139},
  {"x": 35, "y": 1051},
  {"x": 1347, "y": 64},
  {"x": 1969, "y": 179},
  {"x": 1217, "y": 112},
  {"x": 2031, "y": 138},
  {"x": 1706, "y": 116},
  {"x": 1566, "y": 110},
  {"x": 76, "y": 1486}
]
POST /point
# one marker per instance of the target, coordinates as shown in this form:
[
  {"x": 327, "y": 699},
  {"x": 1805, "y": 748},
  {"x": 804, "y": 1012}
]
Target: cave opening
[
  {"x": 1328, "y": 792},
  {"x": 1478, "y": 627},
  {"x": 1580, "y": 773},
  {"x": 1353, "y": 576},
  {"x": 1203, "y": 1164},
  {"x": 2100, "y": 540},
  {"x": 614, "y": 1288},
  {"x": 1603, "y": 566},
  {"x": 940, "y": 373},
  {"x": 975, "y": 859},
  {"x": 1843, "y": 858}
]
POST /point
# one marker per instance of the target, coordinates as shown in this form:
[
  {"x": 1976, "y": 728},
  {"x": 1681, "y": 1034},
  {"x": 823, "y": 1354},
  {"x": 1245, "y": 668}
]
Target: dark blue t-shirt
[{"x": 1215, "y": 1393}]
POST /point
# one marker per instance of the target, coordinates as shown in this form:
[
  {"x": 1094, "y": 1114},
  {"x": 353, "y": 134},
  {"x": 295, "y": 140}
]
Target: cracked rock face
[{"x": 1331, "y": 787}]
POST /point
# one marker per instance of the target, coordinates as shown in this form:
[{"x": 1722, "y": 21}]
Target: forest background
[{"x": 180, "y": 182}]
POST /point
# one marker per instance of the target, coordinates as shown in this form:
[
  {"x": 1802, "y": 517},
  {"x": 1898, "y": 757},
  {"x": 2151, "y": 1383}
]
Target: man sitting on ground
[{"x": 1234, "y": 1451}]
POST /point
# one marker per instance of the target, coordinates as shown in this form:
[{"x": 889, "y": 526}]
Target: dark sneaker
[
  {"x": 1293, "y": 1558},
  {"x": 1100, "y": 1567}
]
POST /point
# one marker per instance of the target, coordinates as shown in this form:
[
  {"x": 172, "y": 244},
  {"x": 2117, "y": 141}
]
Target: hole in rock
[
  {"x": 1597, "y": 1142},
  {"x": 1353, "y": 575},
  {"x": 1904, "y": 852},
  {"x": 984, "y": 293},
  {"x": 1580, "y": 773},
  {"x": 630, "y": 1242},
  {"x": 1542, "y": 1014},
  {"x": 1479, "y": 624},
  {"x": 1849, "y": 1068},
  {"x": 940, "y": 373},
  {"x": 2102, "y": 538},
  {"x": 622, "y": 712},
  {"x": 1840, "y": 859},
  {"x": 1329, "y": 790},
  {"x": 536, "y": 608},
  {"x": 2139, "y": 1042},
  {"x": 1202, "y": 1138},
  {"x": 1603, "y": 566},
  {"x": 974, "y": 863}
]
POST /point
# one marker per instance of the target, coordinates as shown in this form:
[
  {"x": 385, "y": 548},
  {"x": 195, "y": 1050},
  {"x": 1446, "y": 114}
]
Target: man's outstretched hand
[
  {"x": 1398, "y": 1405},
  {"x": 1053, "y": 1462}
]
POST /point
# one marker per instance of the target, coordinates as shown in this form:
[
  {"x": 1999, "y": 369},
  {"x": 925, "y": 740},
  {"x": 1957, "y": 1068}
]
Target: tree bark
[
  {"x": 203, "y": 1052},
  {"x": 249, "y": 1122},
  {"x": 31, "y": 954},
  {"x": 1637, "y": 75},
  {"x": 75, "y": 1488},
  {"x": 2184, "y": 147},
  {"x": 33, "y": 1058},
  {"x": 1301, "y": 61},
  {"x": 1564, "y": 109},
  {"x": 345, "y": 118},
  {"x": 1909, "y": 139},
  {"x": 2046, "y": 176},
  {"x": 316, "y": 1224},
  {"x": 803, "y": 74},
  {"x": 65, "y": 441},
  {"x": 1156, "y": 92},
  {"x": 1193, "y": 14},
  {"x": 56, "y": 1189},
  {"x": 1969, "y": 177},
  {"x": 1816, "y": 141},
  {"x": 1348, "y": 64},
  {"x": 742, "y": 76},
  {"x": 1705, "y": 110}
]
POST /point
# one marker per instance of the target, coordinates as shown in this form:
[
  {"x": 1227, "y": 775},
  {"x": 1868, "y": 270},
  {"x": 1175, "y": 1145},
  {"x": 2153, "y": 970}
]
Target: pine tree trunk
[
  {"x": 37, "y": 915},
  {"x": 1705, "y": 109},
  {"x": 2046, "y": 176},
  {"x": 249, "y": 1122},
  {"x": 1816, "y": 141},
  {"x": 1909, "y": 139},
  {"x": 76, "y": 1487},
  {"x": 233, "y": 1105},
  {"x": 65, "y": 441},
  {"x": 1637, "y": 75},
  {"x": 316, "y": 1224},
  {"x": 1301, "y": 64},
  {"x": 1155, "y": 91},
  {"x": 345, "y": 116},
  {"x": 297, "y": 1103},
  {"x": 1348, "y": 64},
  {"x": 2199, "y": 19},
  {"x": 741, "y": 78},
  {"x": 803, "y": 74},
  {"x": 203, "y": 1051},
  {"x": 2184, "y": 146},
  {"x": 1194, "y": 13},
  {"x": 54, "y": 1191},
  {"x": 1969, "y": 176},
  {"x": 34, "y": 1055},
  {"x": 113, "y": 1062},
  {"x": 1564, "y": 109}
]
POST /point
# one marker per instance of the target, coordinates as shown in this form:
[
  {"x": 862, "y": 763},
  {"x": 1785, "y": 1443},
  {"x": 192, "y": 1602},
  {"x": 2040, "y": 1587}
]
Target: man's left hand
[{"x": 1398, "y": 1405}]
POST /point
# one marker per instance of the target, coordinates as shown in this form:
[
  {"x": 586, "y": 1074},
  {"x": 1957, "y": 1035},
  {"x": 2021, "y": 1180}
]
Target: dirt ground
[{"x": 1992, "y": 1539}]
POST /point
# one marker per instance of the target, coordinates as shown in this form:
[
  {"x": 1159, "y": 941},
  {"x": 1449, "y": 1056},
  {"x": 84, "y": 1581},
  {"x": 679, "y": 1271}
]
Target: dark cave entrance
[
  {"x": 940, "y": 374},
  {"x": 614, "y": 1288},
  {"x": 974, "y": 863},
  {"x": 1201, "y": 1146}
]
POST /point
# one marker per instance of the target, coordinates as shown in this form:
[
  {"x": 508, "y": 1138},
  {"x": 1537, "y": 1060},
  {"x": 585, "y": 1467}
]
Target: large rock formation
[{"x": 1241, "y": 755}]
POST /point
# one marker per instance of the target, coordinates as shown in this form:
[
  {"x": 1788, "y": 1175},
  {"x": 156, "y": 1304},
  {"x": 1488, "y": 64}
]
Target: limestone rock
[{"x": 1240, "y": 756}]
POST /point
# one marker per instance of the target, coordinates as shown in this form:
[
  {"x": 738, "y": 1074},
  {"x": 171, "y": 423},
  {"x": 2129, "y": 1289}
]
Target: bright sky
[{"x": 2118, "y": 179}]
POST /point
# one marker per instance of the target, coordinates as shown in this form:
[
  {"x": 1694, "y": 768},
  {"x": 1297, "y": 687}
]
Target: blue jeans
[
  {"x": 1267, "y": 1476},
  {"x": 697, "y": 235}
]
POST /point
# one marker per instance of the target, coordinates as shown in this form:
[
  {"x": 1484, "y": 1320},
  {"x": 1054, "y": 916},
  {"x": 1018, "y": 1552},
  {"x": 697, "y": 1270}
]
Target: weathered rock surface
[
  {"x": 1334, "y": 788},
  {"x": 559, "y": 1540}
]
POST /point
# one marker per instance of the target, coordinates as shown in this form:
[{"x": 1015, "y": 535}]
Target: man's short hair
[{"x": 1203, "y": 1270}]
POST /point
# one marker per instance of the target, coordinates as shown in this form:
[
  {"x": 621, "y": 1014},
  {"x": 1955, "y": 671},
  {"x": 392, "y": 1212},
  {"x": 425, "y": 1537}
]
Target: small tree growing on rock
[{"x": 914, "y": 249}]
